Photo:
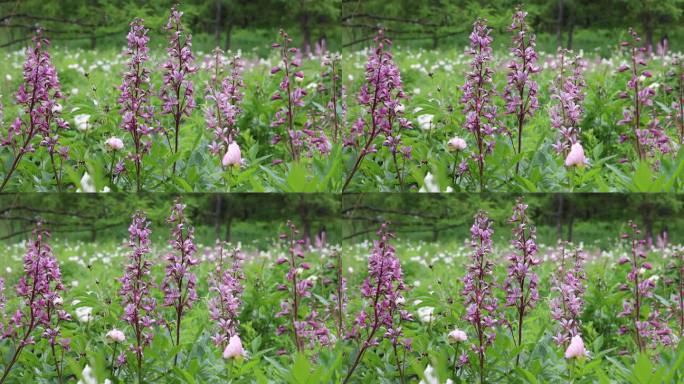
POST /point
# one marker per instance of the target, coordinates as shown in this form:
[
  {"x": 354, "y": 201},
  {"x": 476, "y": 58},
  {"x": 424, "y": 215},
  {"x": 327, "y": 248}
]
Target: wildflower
[
  {"x": 87, "y": 184},
  {"x": 115, "y": 336},
  {"x": 380, "y": 95},
  {"x": 177, "y": 91},
  {"x": 576, "y": 156},
  {"x": 179, "y": 283},
  {"x": 651, "y": 138},
  {"x": 480, "y": 111},
  {"x": 225, "y": 286},
  {"x": 457, "y": 336},
  {"x": 521, "y": 283},
  {"x": 232, "y": 156},
  {"x": 84, "y": 314},
  {"x": 114, "y": 144},
  {"x": 576, "y": 348},
  {"x": 479, "y": 300},
  {"x": 224, "y": 96},
  {"x": 568, "y": 284},
  {"x": 651, "y": 331},
  {"x": 38, "y": 288},
  {"x": 82, "y": 122},
  {"x": 381, "y": 290},
  {"x": 135, "y": 108},
  {"x": 520, "y": 93},
  {"x": 307, "y": 331},
  {"x": 425, "y": 122},
  {"x": 234, "y": 348},
  {"x": 139, "y": 305},
  {"x": 568, "y": 95},
  {"x": 456, "y": 144},
  {"x": 426, "y": 314},
  {"x": 38, "y": 96}
]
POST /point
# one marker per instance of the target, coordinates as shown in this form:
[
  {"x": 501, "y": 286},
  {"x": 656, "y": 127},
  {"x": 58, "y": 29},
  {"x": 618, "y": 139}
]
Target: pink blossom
[
  {"x": 576, "y": 156},
  {"x": 234, "y": 348},
  {"x": 456, "y": 144},
  {"x": 115, "y": 336},
  {"x": 457, "y": 335},
  {"x": 114, "y": 144},
  {"x": 233, "y": 156},
  {"x": 576, "y": 348}
]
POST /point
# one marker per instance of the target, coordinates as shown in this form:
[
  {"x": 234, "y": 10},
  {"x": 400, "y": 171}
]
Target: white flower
[
  {"x": 115, "y": 336},
  {"x": 456, "y": 144},
  {"x": 429, "y": 184},
  {"x": 114, "y": 144},
  {"x": 88, "y": 376},
  {"x": 58, "y": 300},
  {"x": 81, "y": 122},
  {"x": 457, "y": 335},
  {"x": 87, "y": 184},
  {"x": 84, "y": 314},
  {"x": 399, "y": 108},
  {"x": 57, "y": 108},
  {"x": 430, "y": 376},
  {"x": 425, "y": 314},
  {"x": 74, "y": 91},
  {"x": 425, "y": 121}
]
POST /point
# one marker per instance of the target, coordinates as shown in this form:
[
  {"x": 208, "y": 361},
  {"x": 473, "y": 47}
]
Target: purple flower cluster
[
  {"x": 478, "y": 107},
  {"x": 225, "y": 96},
  {"x": 291, "y": 94},
  {"x": 139, "y": 305},
  {"x": 226, "y": 283},
  {"x": 179, "y": 283},
  {"x": 39, "y": 289},
  {"x": 520, "y": 93},
  {"x": 134, "y": 101},
  {"x": 568, "y": 94},
  {"x": 653, "y": 138},
  {"x": 382, "y": 290},
  {"x": 381, "y": 95},
  {"x": 307, "y": 328},
  {"x": 38, "y": 96},
  {"x": 650, "y": 332},
  {"x": 521, "y": 283},
  {"x": 176, "y": 93},
  {"x": 479, "y": 300},
  {"x": 568, "y": 283}
]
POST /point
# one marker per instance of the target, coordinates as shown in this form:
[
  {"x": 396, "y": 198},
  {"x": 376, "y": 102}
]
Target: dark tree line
[
  {"x": 98, "y": 20},
  {"x": 436, "y": 20}
]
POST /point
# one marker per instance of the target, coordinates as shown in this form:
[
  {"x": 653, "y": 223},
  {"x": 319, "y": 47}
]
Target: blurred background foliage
[
  {"x": 259, "y": 218},
  {"x": 578, "y": 217},
  {"x": 579, "y": 24},
  {"x": 229, "y": 24},
  {"x": 246, "y": 218}
]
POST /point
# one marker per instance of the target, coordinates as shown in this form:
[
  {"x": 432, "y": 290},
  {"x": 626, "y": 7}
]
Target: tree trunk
[
  {"x": 571, "y": 29},
  {"x": 218, "y": 215},
  {"x": 229, "y": 33},
  {"x": 93, "y": 41},
  {"x": 559, "y": 26},
  {"x": 229, "y": 224},
  {"x": 570, "y": 222},
  {"x": 435, "y": 41},
  {"x": 217, "y": 24},
  {"x": 435, "y": 233},
  {"x": 306, "y": 32},
  {"x": 648, "y": 30},
  {"x": 559, "y": 216}
]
